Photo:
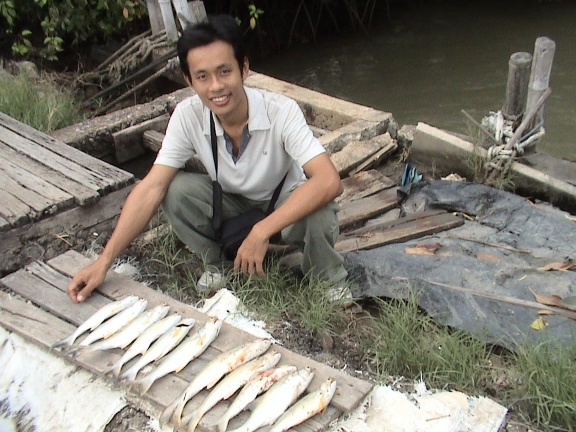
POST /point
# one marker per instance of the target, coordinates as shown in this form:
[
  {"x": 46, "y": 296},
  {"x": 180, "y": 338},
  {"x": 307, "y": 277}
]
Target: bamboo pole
[
  {"x": 544, "y": 49},
  {"x": 517, "y": 85}
]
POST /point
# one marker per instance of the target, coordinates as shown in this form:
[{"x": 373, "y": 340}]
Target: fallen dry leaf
[
  {"x": 548, "y": 300},
  {"x": 487, "y": 257},
  {"x": 539, "y": 324},
  {"x": 418, "y": 251},
  {"x": 560, "y": 266},
  {"x": 546, "y": 312}
]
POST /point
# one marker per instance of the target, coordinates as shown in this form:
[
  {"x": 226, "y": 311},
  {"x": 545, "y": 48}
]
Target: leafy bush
[{"x": 48, "y": 27}]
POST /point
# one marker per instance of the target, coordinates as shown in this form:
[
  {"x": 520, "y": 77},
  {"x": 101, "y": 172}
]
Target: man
[{"x": 261, "y": 136}]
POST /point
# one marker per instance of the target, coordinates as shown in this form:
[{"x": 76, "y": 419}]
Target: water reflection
[{"x": 439, "y": 57}]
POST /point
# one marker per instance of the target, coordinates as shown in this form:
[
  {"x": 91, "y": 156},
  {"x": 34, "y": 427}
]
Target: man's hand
[
  {"x": 251, "y": 253},
  {"x": 86, "y": 280}
]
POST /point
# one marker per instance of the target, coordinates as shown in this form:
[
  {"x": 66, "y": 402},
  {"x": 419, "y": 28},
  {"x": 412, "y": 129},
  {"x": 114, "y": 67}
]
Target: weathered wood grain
[
  {"x": 104, "y": 176},
  {"x": 400, "y": 233},
  {"x": 367, "y": 207},
  {"x": 363, "y": 184}
]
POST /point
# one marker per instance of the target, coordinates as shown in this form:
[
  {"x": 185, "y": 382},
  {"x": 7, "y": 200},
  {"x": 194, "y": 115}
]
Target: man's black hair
[{"x": 218, "y": 28}]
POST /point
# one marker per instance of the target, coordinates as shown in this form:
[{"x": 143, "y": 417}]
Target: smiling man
[{"x": 261, "y": 139}]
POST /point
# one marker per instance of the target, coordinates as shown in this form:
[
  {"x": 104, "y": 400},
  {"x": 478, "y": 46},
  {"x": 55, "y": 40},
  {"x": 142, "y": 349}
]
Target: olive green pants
[{"x": 188, "y": 207}]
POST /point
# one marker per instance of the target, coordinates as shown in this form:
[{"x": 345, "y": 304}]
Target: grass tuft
[
  {"x": 402, "y": 340},
  {"x": 39, "y": 103}
]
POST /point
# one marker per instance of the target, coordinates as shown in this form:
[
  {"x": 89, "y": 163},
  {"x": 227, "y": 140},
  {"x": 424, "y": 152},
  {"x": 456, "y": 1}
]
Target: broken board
[{"x": 36, "y": 306}]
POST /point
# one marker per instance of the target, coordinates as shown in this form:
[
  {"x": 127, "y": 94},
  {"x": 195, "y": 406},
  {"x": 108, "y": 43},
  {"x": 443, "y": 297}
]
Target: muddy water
[{"x": 436, "y": 58}]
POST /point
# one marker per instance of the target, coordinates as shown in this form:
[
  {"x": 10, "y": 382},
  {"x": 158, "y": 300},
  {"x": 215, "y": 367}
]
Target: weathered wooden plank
[
  {"x": 51, "y": 236},
  {"x": 43, "y": 192},
  {"x": 129, "y": 142},
  {"x": 4, "y": 224},
  {"x": 105, "y": 174},
  {"x": 51, "y": 298},
  {"x": 351, "y": 390},
  {"x": 368, "y": 207},
  {"x": 13, "y": 209},
  {"x": 56, "y": 162},
  {"x": 363, "y": 184},
  {"x": 367, "y": 229},
  {"x": 377, "y": 158},
  {"x": 400, "y": 233},
  {"x": 357, "y": 152},
  {"x": 44, "y": 329},
  {"x": 83, "y": 194},
  {"x": 22, "y": 197}
]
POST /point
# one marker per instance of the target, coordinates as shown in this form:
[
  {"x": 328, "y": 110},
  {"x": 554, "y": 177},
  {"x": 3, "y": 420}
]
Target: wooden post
[
  {"x": 182, "y": 12},
  {"x": 544, "y": 49},
  {"x": 517, "y": 85},
  {"x": 198, "y": 11},
  {"x": 168, "y": 17},
  {"x": 155, "y": 16}
]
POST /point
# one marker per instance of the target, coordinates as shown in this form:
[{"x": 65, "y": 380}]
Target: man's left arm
[{"x": 321, "y": 188}]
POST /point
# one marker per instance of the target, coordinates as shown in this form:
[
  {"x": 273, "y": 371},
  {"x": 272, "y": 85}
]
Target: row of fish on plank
[{"x": 270, "y": 391}]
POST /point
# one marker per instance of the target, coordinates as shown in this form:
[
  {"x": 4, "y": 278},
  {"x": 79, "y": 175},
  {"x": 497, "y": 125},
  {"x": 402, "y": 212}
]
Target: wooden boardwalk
[
  {"x": 34, "y": 304},
  {"x": 49, "y": 192}
]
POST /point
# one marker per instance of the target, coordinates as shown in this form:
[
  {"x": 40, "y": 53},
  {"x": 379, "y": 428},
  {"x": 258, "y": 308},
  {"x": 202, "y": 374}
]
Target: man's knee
[{"x": 189, "y": 190}]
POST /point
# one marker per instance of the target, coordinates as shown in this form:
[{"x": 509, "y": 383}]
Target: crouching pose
[{"x": 261, "y": 139}]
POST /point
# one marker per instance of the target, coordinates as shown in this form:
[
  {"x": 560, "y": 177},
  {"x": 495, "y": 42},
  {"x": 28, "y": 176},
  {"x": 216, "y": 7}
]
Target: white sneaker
[
  {"x": 211, "y": 281},
  {"x": 341, "y": 295}
]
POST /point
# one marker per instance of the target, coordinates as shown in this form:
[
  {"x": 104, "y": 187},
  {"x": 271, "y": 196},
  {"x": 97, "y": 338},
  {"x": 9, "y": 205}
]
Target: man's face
[{"x": 218, "y": 80}]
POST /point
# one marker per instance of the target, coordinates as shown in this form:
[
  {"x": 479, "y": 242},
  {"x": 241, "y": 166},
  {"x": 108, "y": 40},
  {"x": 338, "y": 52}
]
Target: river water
[{"x": 436, "y": 58}]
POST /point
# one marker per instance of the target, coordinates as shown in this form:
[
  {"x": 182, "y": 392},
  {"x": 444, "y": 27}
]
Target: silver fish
[
  {"x": 128, "y": 334},
  {"x": 259, "y": 384},
  {"x": 114, "y": 324},
  {"x": 211, "y": 374},
  {"x": 276, "y": 400},
  {"x": 160, "y": 348},
  {"x": 307, "y": 407},
  {"x": 98, "y": 318},
  {"x": 141, "y": 345},
  {"x": 230, "y": 384},
  {"x": 189, "y": 349}
]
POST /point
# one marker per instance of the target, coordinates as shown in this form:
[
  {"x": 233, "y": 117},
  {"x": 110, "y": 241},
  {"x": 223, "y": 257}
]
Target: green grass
[
  {"x": 403, "y": 340},
  {"x": 397, "y": 338},
  {"x": 547, "y": 390},
  {"x": 40, "y": 103}
]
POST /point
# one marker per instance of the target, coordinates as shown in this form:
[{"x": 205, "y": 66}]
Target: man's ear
[
  {"x": 245, "y": 69},
  {"x": 188, "y": 81}
]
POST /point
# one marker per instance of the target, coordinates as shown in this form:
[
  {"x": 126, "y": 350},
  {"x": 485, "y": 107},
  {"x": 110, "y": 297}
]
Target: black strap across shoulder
[{"x": 217, "y": 194}]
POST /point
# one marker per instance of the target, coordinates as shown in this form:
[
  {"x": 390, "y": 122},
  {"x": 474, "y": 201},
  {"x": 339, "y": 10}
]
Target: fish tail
[
  {"x": 145, "y": 384},
  {"x": 72, "y": 351},
  {"x": 177, "y": 414},
  {"x": 222, "y": 424},
  {"x": 66, "y": 341},
  {"x": 129, "y": 375},
  {"x": 165, "y": 417},
  {"x": 192, "y": 420}
]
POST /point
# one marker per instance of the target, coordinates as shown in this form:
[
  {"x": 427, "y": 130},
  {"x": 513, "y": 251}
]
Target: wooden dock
[
  {"x": 34, "y": 304},
  {"x": 50, "y": 194}
]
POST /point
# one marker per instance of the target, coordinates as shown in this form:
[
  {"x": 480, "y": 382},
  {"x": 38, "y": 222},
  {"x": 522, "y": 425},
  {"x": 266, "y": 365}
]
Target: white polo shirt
[{"x": 280, "y": 141}]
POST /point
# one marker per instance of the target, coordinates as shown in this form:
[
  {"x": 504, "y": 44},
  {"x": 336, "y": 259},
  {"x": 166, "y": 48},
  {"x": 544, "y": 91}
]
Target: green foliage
[
  {"x": 42, "y": 103},
  {"x": 401, "y": 340},
  {"x": 547, "y": 394},
  {"x": 48, "y": 27}
]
